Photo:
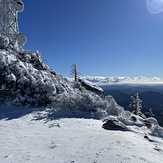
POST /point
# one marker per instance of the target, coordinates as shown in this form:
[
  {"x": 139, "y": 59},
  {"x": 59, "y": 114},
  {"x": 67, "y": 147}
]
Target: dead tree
[{"x": 74, "y": 71}]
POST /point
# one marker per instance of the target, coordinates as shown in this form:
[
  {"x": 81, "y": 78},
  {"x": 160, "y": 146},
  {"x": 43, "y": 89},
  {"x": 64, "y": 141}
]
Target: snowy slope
[{"x": 74, "y": 140}]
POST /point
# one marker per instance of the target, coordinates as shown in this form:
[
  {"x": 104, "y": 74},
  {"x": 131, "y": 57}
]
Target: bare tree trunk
[{"x": 74, "y": 71}]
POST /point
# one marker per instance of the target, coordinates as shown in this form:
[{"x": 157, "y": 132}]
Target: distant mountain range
[{"x": 121, "y": 80}]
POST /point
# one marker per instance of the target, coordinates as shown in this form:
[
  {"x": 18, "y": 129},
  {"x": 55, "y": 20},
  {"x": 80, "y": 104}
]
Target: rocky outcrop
[
  {"x": 114, "y": 124},
  {"x": 91, "y": 87}
]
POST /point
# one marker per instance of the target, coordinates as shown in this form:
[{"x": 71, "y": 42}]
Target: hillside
[{"x": 26, "y": 81}]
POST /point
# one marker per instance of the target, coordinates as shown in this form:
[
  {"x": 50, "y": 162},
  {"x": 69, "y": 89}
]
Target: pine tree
[{"x": 136, "y": 104}]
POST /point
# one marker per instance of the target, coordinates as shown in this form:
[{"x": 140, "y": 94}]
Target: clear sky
[{"x": 103, "y": 37}]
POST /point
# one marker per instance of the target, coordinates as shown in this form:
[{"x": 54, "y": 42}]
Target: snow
[
  {"x": 30, "y": 139},
  {"x": 62, "y": 128}
]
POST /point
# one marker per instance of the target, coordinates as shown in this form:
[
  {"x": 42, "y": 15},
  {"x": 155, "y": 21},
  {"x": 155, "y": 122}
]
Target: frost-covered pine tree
[{"x": 136, "y": 104}]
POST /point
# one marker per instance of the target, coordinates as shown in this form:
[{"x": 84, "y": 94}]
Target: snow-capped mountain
[{"x": 126, "y": 79}]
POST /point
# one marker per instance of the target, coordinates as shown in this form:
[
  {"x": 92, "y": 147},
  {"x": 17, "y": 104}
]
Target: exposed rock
[
  {"x": 147, "y": 124},
  {"x": 114, "y": 124},
  {"x": 146, "y": 137},
  {"x": 91, "y": 87}
]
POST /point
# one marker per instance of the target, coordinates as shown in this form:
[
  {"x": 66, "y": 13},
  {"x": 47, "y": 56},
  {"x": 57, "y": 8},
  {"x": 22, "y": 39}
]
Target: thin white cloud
[{"x": 155, "y": 6}]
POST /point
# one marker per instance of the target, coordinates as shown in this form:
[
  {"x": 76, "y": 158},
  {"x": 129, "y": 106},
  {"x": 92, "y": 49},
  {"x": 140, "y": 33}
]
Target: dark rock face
[
  {"x": 147, "y": 124},
  {"x": 114, "y": 125},
  {"x": 91, "y": 87}
]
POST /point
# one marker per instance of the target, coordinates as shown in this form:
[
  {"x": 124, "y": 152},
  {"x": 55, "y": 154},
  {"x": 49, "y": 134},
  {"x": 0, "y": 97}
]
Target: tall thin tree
[{"x": 74, "y": 71}]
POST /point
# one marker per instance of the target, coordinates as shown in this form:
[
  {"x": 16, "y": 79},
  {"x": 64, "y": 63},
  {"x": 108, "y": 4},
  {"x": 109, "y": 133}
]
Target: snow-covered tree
[
  {"x": 74, "y": 71},
  {"x": 136, "y": 104}
]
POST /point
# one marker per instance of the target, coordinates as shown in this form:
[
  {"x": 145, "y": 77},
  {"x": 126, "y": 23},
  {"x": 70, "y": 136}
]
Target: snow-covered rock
[
  {"x": 4, "y": 42},
  {"x": 26, "y": 79},
  {"x": 152, "y": 120},
  {"x": 114, "y": 125}
]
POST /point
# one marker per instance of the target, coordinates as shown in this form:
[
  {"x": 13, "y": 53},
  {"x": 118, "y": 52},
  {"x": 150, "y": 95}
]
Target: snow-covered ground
[{"x": 29, "y": 139}]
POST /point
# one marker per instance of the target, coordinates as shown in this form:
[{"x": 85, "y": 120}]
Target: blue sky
[{"x": 103, "y": 37}]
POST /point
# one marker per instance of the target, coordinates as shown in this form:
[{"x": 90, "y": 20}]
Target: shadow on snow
[{"x": 14, "y": 112}]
